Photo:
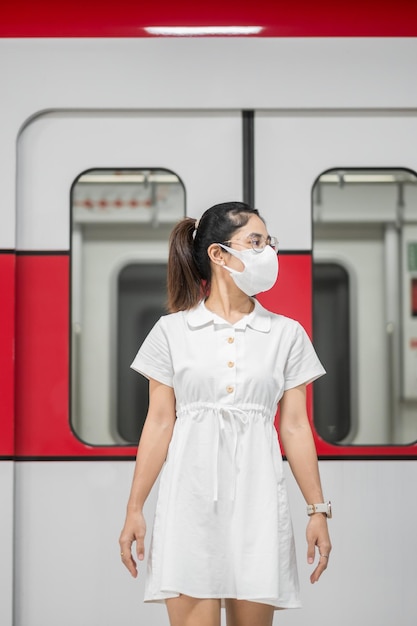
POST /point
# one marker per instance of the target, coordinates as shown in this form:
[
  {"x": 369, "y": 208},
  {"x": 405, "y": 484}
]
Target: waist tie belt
[{"x": 232, "y": 415}]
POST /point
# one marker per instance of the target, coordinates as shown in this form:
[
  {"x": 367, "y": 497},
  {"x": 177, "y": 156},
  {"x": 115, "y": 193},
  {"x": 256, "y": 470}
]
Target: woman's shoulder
[
  {"x": 287, "y": 328},
  {"x": 173, "y": 322},
  {"x": 278, "y": 320},
  {"x": 171, "y": 319}
]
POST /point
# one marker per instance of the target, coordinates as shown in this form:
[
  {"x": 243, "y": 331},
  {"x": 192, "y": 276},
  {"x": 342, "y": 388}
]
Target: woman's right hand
[{"x": 133, "y": 530}]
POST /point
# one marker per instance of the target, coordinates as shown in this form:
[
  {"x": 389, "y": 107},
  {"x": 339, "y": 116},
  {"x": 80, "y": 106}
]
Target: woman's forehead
[{"x": 254, "y": 226}]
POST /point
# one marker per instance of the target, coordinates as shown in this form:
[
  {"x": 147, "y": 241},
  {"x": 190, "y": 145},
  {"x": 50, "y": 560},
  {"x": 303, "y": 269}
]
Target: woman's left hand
[{"x": 318, "y": 535}]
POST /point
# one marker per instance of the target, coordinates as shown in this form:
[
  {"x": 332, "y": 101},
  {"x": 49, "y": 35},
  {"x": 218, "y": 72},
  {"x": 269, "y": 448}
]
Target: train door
[
  {"x": 97, "y": 196},
  {"x": 331, "y": 171}
]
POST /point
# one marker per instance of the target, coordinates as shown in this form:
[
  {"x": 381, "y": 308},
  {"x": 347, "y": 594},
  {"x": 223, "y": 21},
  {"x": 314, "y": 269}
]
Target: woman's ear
[{"x": 216, "y": 254}]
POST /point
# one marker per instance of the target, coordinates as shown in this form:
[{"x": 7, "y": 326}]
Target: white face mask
[{"x": 260, "y": 271}]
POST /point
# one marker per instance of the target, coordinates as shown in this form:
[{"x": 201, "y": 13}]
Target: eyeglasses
[{"x": 258, "y": 242}]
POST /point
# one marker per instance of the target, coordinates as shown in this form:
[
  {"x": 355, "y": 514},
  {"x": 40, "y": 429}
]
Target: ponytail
[{"x": 183, "y": 278}]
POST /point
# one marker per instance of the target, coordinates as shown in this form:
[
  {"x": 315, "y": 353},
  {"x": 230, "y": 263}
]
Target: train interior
[
  {"x": 364, "y": 293},
  {"x": 121, "y": 222}
]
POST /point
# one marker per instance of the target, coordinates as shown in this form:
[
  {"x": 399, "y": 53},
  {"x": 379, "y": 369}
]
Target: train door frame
[
  {"x": 48, "y": 162},
  {"x": 328, "y": 140}
]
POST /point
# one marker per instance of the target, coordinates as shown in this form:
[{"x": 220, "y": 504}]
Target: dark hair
[{"x": 189, "y": 270}]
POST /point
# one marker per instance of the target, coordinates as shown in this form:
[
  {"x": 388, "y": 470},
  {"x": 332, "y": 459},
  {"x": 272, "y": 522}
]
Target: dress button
[
  {"x": 230, "y": 340},
  {"x": 230, "y": 389},
  {"x": 230, "y": 364}
]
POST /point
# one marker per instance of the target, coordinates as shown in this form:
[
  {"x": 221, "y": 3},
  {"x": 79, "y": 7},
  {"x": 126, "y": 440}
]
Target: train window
[
  {"x": 365, "y": 328},
  {"x": 121, "y": 220}
]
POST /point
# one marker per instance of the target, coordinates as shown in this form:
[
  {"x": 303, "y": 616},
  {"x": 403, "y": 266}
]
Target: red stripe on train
[
  {"x": 42, "y": 357},
  {"x": 42, "y": 362},
  {"x": 48, "y": 18},
  {"x": 7, "y": 317}
]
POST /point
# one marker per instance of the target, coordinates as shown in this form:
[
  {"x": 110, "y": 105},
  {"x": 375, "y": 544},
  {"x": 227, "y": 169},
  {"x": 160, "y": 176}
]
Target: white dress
[{"x": 222, "y": 526}]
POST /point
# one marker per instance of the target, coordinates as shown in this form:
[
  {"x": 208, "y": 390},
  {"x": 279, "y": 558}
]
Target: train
[{"x": 118, "y": 121}]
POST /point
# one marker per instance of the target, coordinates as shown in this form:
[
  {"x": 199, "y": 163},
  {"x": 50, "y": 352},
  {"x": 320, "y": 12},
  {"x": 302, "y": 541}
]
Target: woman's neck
[{"x": 230, "y": 307}]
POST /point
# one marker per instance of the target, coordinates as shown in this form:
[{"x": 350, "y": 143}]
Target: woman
[{"x": 217, "y": 366}]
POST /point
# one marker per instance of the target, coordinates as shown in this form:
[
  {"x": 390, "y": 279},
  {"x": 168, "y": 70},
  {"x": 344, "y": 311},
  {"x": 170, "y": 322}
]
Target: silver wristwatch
[{"x": 323, "y": 507}]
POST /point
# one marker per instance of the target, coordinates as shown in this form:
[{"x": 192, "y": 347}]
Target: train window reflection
[
  {"x": 364, "y": 226},
  {"x": 141, "y": 301},
  {"x": 121, "y": 220},
  {"x": 332, "y": 404}
]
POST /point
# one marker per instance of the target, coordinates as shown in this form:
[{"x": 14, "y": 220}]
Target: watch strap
[{"x": 322, "y": 507}]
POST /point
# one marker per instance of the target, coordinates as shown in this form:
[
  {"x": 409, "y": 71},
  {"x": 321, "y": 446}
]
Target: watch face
[{"x": 329, "y": 510}]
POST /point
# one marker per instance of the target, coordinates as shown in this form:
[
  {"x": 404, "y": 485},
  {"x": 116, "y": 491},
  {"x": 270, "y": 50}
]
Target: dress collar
[{"x": 259, "y": 319}]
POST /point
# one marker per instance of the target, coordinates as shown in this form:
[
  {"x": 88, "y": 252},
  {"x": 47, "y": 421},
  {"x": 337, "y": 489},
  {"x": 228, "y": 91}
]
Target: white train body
[{"x": 71, "y": 106}]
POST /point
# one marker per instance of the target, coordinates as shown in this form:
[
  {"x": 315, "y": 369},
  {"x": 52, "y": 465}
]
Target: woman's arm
[
  {"x": 152, "y": 452},
  {"x": 298, "y": 442}
]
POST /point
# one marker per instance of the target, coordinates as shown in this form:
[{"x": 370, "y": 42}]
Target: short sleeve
[
  {"x": 153, "y": 359},
  {"x": 303, "y": 365}
]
